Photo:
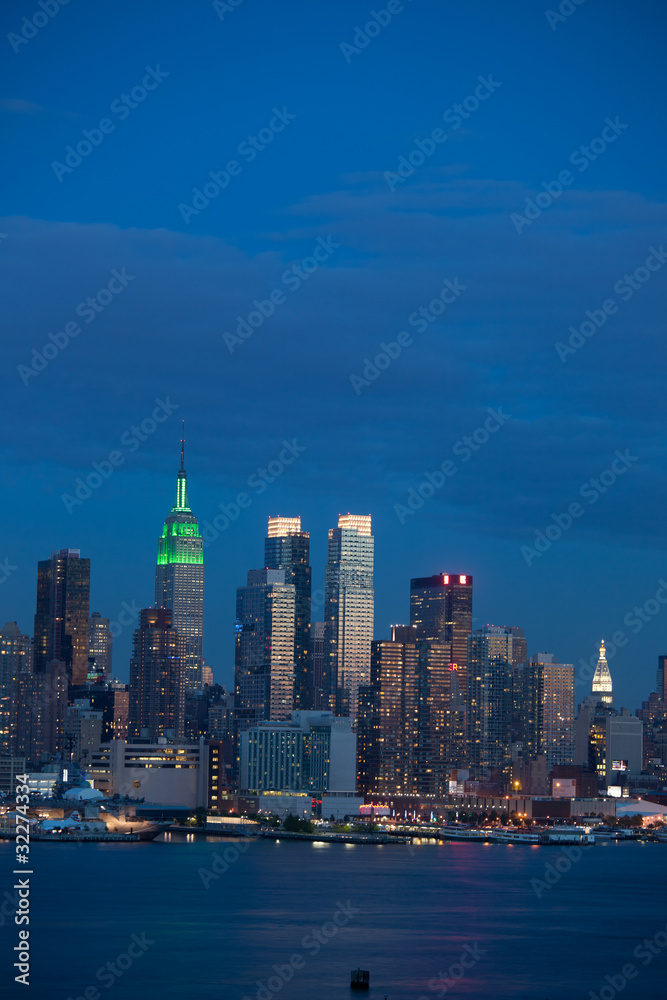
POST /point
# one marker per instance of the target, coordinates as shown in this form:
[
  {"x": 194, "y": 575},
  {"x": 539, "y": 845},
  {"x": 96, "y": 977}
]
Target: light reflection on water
[{"x": 419, "y": 907}]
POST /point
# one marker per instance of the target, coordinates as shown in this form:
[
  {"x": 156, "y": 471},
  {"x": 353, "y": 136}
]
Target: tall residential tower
[
  {"x": 348, "y": 613},
  {"x": 287, "y": 547},
  {"x": 489, "y": 703},
  {"x": 264, "y": 657},
  {"x": 544, "y": 696}
]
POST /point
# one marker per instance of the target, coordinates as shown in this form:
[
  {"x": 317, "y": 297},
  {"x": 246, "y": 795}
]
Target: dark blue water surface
[{"x": 407, "y": 914}]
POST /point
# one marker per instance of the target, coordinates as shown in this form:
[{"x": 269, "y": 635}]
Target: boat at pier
[
  {"x": 464, "y": 833},
  {"x": 567, "y": 835},
  {"x": 512, "y": 836}
]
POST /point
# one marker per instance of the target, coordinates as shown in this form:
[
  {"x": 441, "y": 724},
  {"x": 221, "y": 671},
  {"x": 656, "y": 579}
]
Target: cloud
[
  {"x": 493, "y": 347},
  {"x": 18, "y": 107}
]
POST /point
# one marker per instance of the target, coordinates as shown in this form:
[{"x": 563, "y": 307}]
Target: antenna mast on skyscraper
[{"x": 183, "y": 448}]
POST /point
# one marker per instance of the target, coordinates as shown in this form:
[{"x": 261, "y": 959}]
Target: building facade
[
  {"x": 264, "y": 650},
  {"x": 405, "y": 744},
  {"x": 112, "y": 699},
  {"x": 441, "y": 611},
  {"x": 544, "y": 693},
  {"x": 490, "y": 702},
  {"x": 164, "y": 773},
  {"x": 314, "y": 752},
  {"x": 179, "y": 579},
  {"x": 317, "y": 648},
  {"x": 83, "y": 732},
  {"x": 100, "y": 647},
  {"x": 157, "y": 683},
  {"x": 62, "y": 614},
  {"x": 42, "y": 712},
  {"x": 287, "y": 547},
  {"x": 623, "y": 747},
  {"x": 15, "y": 661},
  {"x": 661, "y": 679},
  {"x": 349, "y": 605}
]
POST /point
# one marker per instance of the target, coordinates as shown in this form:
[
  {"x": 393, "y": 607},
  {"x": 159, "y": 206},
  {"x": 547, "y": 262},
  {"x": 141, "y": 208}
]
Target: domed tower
[{"x": 601, "y": 685}]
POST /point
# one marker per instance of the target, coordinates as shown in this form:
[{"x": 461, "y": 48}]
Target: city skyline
[
  {"x": 128, "y": 616},
  {"x": 400, "y": 271},
  {"x": 476, "y": 382}
]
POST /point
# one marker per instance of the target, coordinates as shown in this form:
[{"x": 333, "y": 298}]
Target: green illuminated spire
[{"x": 181, "y": 503}]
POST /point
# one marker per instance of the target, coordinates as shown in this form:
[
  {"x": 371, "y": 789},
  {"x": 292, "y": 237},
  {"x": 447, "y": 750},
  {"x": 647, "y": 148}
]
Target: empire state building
[{"x": 179, "y": 579}]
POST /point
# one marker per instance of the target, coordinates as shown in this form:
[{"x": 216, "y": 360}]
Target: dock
[{"x": 337, "y": 838}]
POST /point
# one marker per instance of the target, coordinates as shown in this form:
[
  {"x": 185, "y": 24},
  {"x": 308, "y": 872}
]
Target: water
[{"x": 408, "y": 915}]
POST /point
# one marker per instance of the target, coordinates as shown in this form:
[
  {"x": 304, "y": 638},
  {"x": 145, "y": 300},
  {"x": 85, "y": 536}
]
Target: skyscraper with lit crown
[
  {"x": 287, "y": 547},
  {"x": 179, "y": 578},
  {"x": 602, "y": 685}
]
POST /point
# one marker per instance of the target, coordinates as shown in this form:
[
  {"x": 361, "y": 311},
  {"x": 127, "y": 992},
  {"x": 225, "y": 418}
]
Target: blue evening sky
[{"x": 220, "y": 77}]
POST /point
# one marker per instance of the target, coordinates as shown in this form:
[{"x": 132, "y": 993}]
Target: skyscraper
[
  {"x": 287, "y": 547},
  {"x": 661, "y": 679},
  {"x": 179, "y": 578},
  {"x": 601, "y": 685},
  {"x": 264, "y": 653},
  {"x": 489, "y": 702},
  {"x": 157, "y": 691},
  {"x": 317, "y": 647},
  {"x": 403, "y": 720},
  {"x": 348, "y": 613},
  {"x": 519, "y": 646},
  {"x": 100, "y": 644},
  {"x": 42, "y": 711},
  {"x": 386, "y": 721},
  {"x": 441, "y": 609},
  {"x": 61, "y": 616},
  {"x": 545, "y": 697},
  {"x": 438, "y": 740},
  {"x": 15, "y": 661},
  {"x": 441, "y": 612}
]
